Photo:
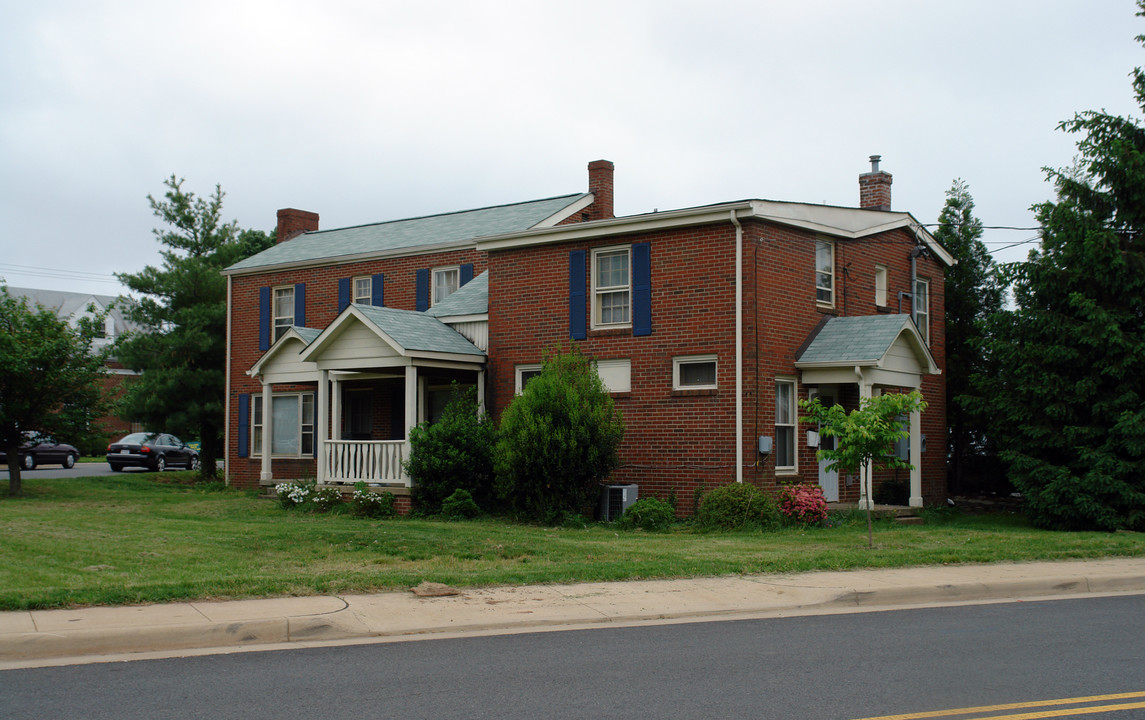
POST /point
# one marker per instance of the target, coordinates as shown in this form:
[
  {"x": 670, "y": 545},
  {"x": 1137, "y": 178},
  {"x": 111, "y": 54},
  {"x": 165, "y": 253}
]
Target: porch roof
[{"x": 890, "y": 341}]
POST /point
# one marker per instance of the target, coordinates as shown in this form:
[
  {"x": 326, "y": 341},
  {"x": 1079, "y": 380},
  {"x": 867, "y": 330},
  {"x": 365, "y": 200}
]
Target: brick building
[{"x": 708, "y": 324}]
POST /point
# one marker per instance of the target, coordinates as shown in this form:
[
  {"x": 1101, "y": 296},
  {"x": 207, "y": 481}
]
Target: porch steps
[{"x": 902, "y": 514}]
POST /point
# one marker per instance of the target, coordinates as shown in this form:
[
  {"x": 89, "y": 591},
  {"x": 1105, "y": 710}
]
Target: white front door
[{"x": 828, "y": 479}]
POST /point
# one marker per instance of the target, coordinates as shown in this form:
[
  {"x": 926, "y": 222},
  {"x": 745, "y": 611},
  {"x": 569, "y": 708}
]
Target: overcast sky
[{"x": 370, "y": 111}]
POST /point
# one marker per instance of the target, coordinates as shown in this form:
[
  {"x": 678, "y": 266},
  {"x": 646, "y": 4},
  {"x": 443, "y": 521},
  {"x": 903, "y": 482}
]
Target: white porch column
[
  {"x": 916, "y": 459},
  {"x": 866, "y": 472},
  {"x": 323, "y": 431},
  {"x": 411, "y": 399},
  {"x": 480, "y": 392},
  {"x": 267, "y": 431},
  {"x": 335, "y": 408}
]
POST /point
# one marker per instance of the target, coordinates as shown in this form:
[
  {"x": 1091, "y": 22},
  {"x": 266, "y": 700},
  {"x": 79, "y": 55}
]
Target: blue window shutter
[
  {"x": 577, "y": 295},
  {"x": 466, "y": 274},
  {"x": 642, "y": 289},
  {"x": 423, "y": 290},
  {"x": 264, "y": 318},
  {"x": 244, "y": 425},
  {"x": 343, "y": 293},
  {"x": 300, "y": 305},
  {"x": 377, "y": 287}
]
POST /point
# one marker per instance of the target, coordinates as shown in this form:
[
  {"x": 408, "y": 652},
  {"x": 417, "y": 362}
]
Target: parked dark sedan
[
  {"x": 156, "y": 451},
  {"x": 43, "y": 450}
]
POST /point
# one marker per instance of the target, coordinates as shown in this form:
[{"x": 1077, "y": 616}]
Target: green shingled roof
[
  {"x": 428, "y": 231},
  {"x": 418, "y": 331},
  {"x": 472, "y": 298},
  {"x": 859, "y": 340}
]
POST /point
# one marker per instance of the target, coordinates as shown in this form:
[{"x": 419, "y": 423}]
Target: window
[
  {"x": 922, "y": 308},
  {"x": 615, "y": 374},
  {"x": 611, "y": 287},
  {"x": 525, "y": 373},
  {"x": 694, "y": 372},
  {"x": 292, "y": 431},
  {"x": 283, "y": 316},
  {"x": 825, "y": 272},
  {"x": 363, "y": 290},
  {"x": 785, "y": 419},
  {"x": 445, "y": 283},
  {"x": 880, "y": 286}
]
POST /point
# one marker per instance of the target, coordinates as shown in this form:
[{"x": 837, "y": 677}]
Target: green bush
[
  {"x": 367, "y": 503},
  {"x": 460, "y": 506},
  {"x": 324, "y": 500},
  {"x": 455, "y": 453},
  {"x": 737, "y": 506},
  {"x": 293, "y": 494},
  {"x": 648, "y": 513},
  {"x": 558, "y": 440}
]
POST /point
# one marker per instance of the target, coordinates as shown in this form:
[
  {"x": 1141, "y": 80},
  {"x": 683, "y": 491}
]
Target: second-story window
[
  {"x": 611, "y": 286},
  {"x": 283, "y": 318},
  {"x": 922, "y": 308},
  {"x": 880, "y": 286},
  {"x": 363, "y": 290},
  {"x": 825, "y": 272},
  {"x": 445, "y": 283}
]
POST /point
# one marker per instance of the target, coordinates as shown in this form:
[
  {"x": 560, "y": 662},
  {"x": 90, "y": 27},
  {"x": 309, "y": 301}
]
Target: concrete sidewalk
[{"x": 52, "y": 637}]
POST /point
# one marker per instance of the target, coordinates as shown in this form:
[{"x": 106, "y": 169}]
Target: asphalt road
[
  {"x": 56, "y": 471},
  {"x": 835, "y": 667}
]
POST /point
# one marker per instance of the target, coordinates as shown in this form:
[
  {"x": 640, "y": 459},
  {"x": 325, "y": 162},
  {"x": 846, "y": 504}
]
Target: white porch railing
[{"x": 366, "y": 460}]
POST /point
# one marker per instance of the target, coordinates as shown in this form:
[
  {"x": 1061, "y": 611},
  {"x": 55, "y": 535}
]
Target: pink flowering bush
[{"x": 803, "y": 504}]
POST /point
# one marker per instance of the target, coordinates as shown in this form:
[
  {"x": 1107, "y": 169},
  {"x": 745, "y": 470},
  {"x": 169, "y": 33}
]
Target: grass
[{"x": 144, "y": 538}]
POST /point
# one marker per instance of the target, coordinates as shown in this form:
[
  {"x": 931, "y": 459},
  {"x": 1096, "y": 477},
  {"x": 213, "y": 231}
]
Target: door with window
[{"x": 828, "y": 479}]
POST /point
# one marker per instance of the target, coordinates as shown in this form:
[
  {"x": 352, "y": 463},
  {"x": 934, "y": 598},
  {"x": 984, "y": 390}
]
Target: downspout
[
  {"x": 739, "y": 347},
  {"x": 227, "y": 392}
]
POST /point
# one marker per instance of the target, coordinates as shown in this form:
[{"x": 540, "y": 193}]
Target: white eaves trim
[{"x": 567, "y": 212}]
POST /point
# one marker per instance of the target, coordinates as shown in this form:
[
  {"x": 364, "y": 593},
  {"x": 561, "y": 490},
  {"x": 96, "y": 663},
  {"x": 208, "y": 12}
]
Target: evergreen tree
[
  {"x": 48, "y": 377},
  {"x": 1068, "y": 399},
  {"x": 184, "y": 306},
  {"x": 973, "y": 294}
]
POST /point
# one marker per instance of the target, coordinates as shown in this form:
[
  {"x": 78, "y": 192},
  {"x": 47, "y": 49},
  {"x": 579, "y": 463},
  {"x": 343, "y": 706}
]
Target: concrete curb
[{"x": 40, "y": 636}]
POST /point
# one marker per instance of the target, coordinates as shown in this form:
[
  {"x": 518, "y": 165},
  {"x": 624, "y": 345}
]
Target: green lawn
[{"x": 138, "y": 538}]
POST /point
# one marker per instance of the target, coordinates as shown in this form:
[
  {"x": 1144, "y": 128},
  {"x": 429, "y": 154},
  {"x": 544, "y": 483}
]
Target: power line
[{"x": 57, "y": 273}]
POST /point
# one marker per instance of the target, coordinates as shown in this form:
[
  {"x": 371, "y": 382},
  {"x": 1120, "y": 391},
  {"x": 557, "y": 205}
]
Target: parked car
[
  {"x": 40, "y": 449},
  {"x": 156, "y": 451}
]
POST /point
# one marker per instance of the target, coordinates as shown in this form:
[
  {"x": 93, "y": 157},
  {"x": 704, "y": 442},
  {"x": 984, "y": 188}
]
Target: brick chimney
[
  {"x": 293, "y": 222},
  {"x": 875, "y": 187},
  {"x": 600, "y": 185}
]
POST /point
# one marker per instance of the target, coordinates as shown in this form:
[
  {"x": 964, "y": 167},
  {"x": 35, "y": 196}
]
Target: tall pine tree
[
  {"x": 184, "y": 305},
  {"x": 1069, "y": 396},
  {"x": 973, "y": 293}
]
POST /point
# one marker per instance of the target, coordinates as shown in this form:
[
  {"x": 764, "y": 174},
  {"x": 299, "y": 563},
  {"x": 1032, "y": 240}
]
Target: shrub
[
  {"x": 892, "y": 492},
  {"x": 460, "y": 506},
  {"x": 737, "y": 506},
  {"x": 292, "y": 494},
  {"x": 454, "y": 453},
  {"x": 648, "y": 513},
  {"x": 367, "y": 503},
  {"x": 325, "y": 500},
  {"x": 803, "y": 504},
  {"x": 558, "y": 440}
]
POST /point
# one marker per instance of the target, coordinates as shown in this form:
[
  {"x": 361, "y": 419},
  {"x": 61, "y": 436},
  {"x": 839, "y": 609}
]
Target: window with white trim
[
  {"x": 525, "y": 373},
  {"x": 445, "y": 282},
  {"x": 880, "y": 286},
  {"x": 922, "y": 308},
  {"x": 283, "y": 314},
  {"x": 615, "y": 374},
  {"x": 292, "y": 426},
  {"x": 612, "y": 287},
  {"x": 825, "y": 272},
  {"x": 363, "y": 290},
  {"x": 785, "y": 420},
  {"x": 694, "y": 372}
]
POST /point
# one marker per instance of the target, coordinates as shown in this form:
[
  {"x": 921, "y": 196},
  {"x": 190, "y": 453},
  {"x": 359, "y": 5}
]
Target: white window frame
[
  {"x": 520, "y": 370},
  {"x": 598, "y": 291},
  {"x": 683, "y": 360},
  {"x": 881, "y": 285},
  {"x": 922, "y": 308},
  {"x": 306, "y": 430},
  {"x": 279, "y": 324},
  {"x": 362, "y": 290},
  {"x": 829, "y": 288},
  {"x": 455, "y": 270},
  {"x": 793, "y": 468}
]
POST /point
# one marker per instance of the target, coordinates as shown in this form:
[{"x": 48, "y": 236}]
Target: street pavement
[{"x": 102, "y": 634}]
